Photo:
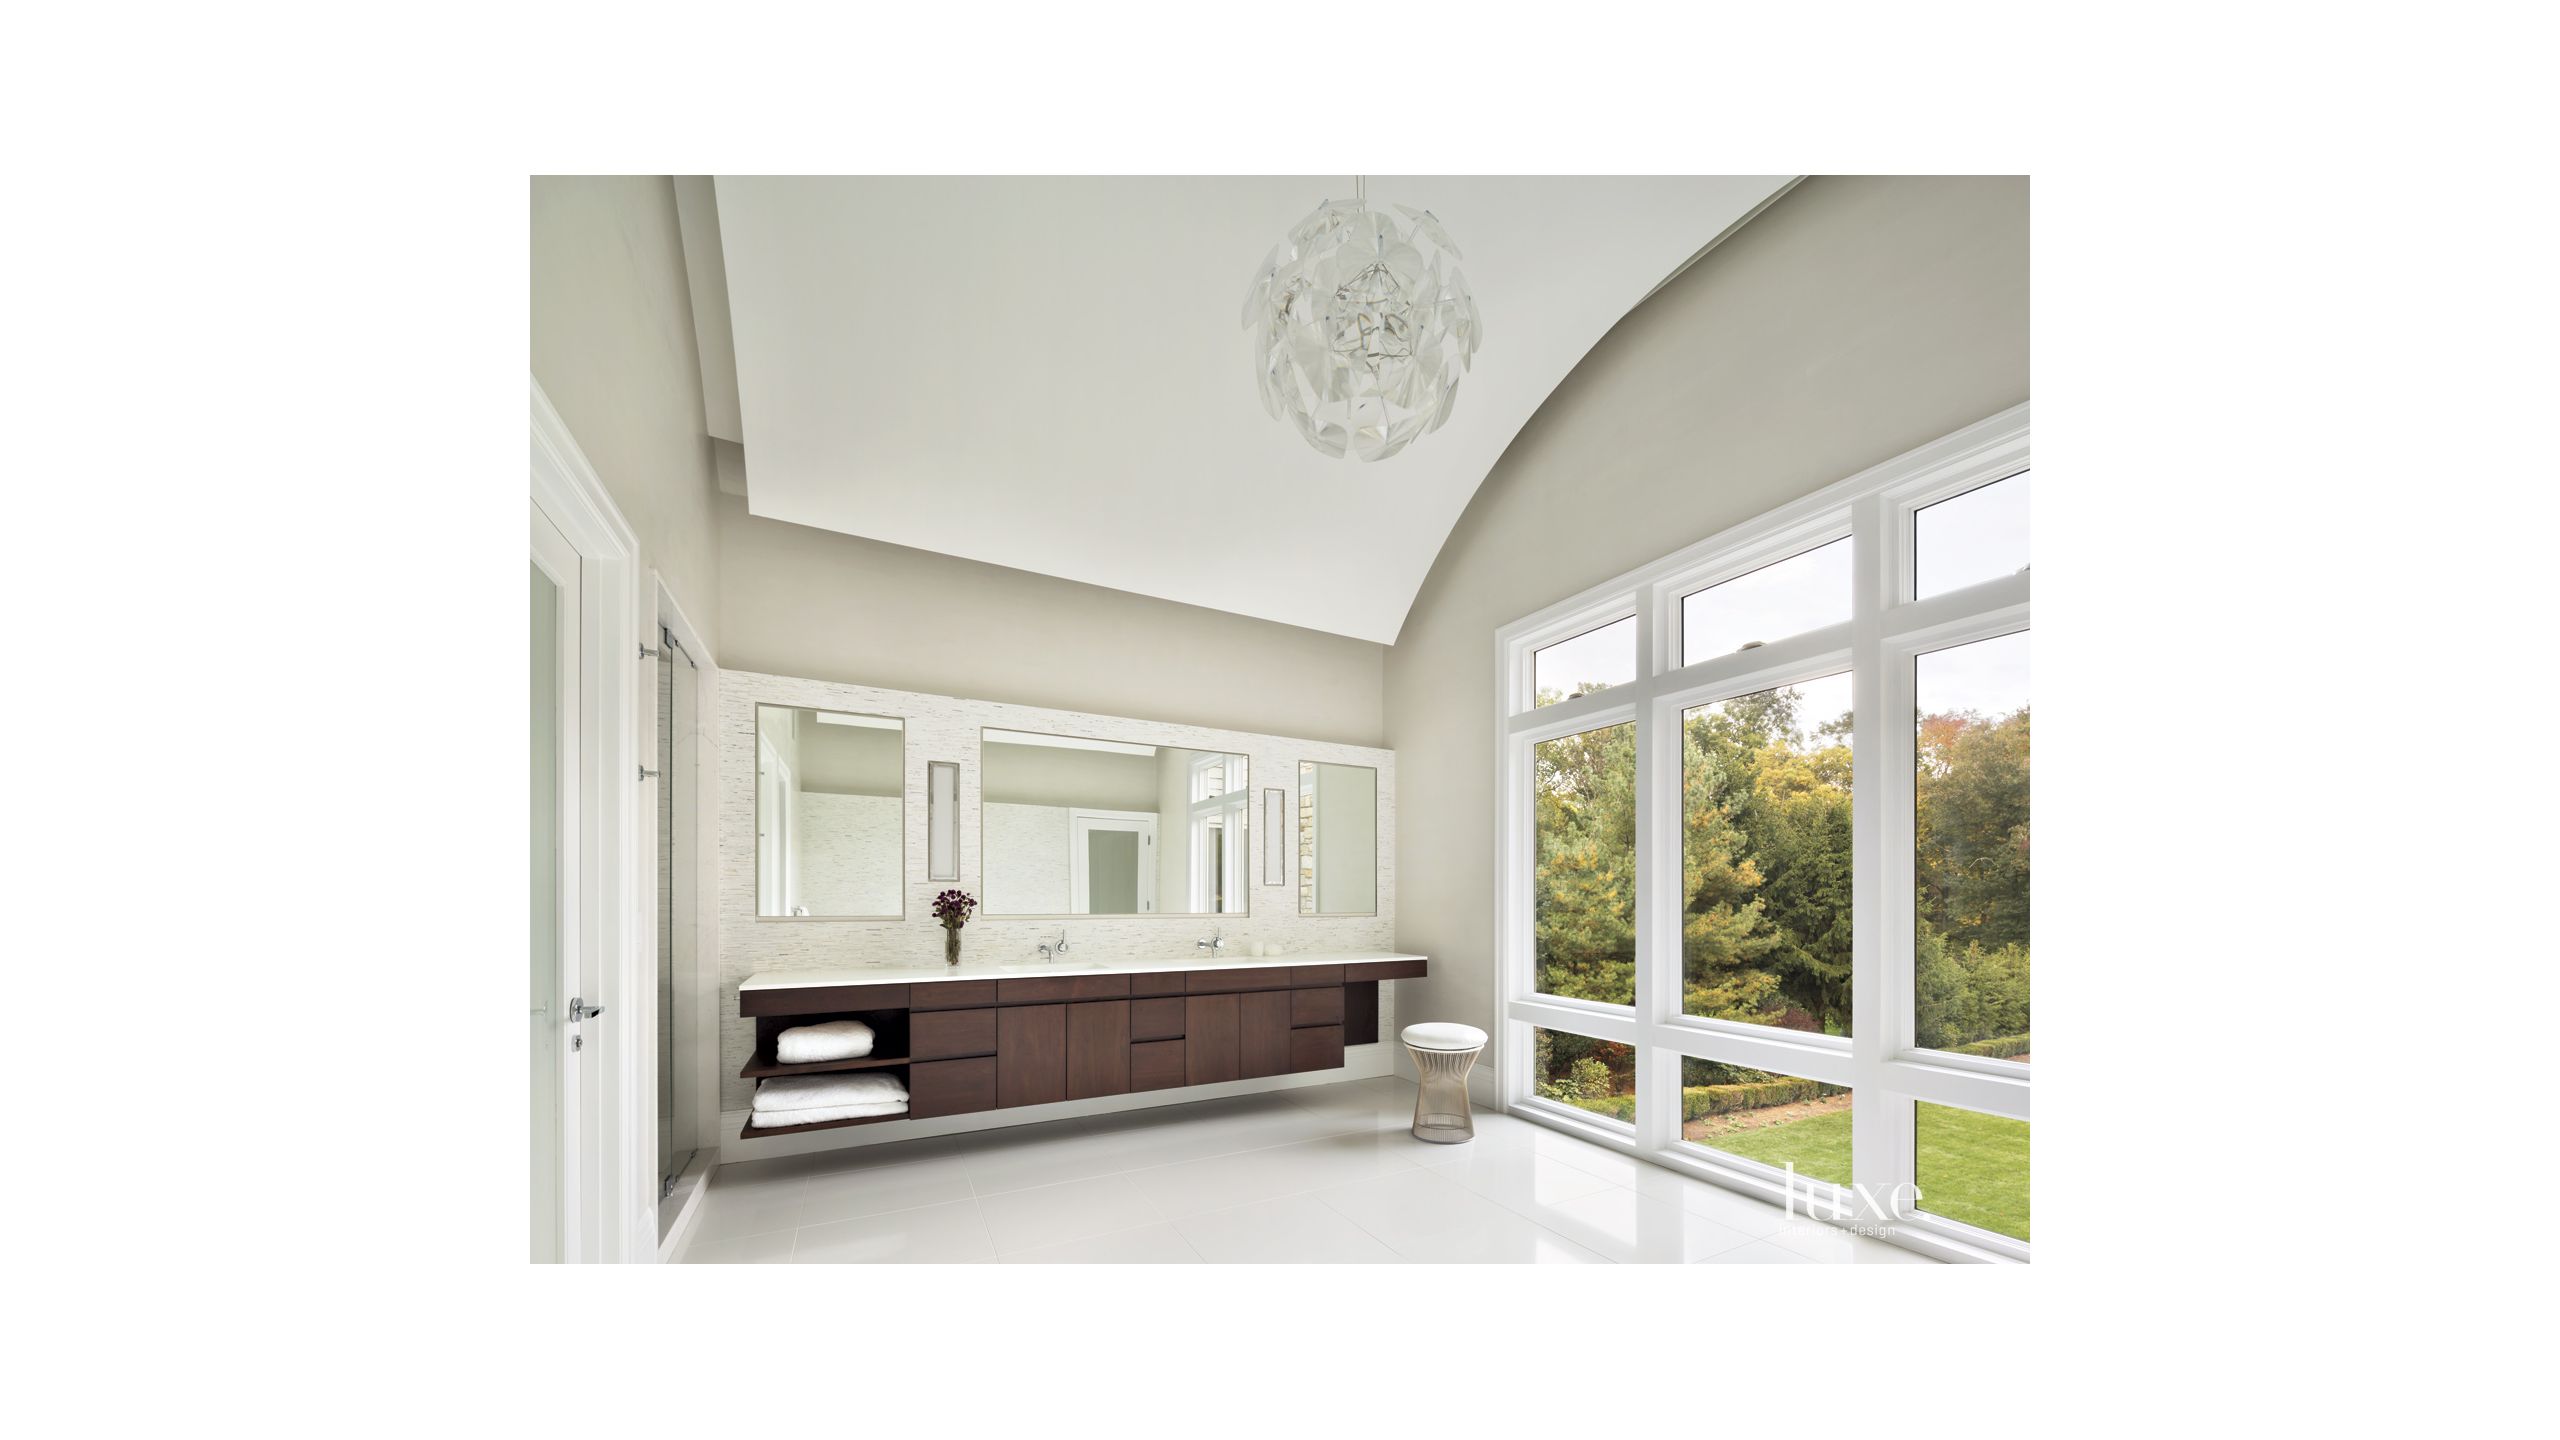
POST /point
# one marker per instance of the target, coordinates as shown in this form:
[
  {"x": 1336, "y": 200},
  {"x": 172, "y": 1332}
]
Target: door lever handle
[{"x": 581, "y": 1010}]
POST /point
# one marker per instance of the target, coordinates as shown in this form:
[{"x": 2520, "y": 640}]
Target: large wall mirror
[
  {"x": 831, "y": 820},
  {"x": 1337, "y": 839},
  {"x": 1077, "y": 826}
]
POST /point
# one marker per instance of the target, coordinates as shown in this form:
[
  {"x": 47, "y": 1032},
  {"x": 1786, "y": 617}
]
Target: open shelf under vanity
[{"x": 889, "y": 1049}]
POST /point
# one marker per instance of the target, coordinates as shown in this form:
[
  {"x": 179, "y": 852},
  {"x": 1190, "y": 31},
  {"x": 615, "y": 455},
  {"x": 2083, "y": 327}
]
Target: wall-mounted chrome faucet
[
  {"x": 1216, "y": 942},
  {"x": 1052, "y": 949}
]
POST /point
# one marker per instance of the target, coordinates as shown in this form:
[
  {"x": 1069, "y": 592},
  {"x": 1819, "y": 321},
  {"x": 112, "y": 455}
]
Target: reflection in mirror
[
  {"x": 1071, "y": 826},
  {"x": 831, "y": 829},
  {"x": 1337, "y": 839}
]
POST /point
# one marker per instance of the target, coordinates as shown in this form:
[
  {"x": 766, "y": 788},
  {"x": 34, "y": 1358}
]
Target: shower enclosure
[{"x": 679, "y": 877}]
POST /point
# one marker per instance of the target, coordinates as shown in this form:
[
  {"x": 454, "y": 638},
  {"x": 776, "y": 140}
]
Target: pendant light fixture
[{"x": 1362, "y": 327}]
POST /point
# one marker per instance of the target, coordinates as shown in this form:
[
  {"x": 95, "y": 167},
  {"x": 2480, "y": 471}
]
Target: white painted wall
[{"x": 796, "y": 601}]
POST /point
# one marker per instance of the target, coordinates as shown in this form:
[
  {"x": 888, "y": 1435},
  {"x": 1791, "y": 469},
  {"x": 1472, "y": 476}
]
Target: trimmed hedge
[
  {"x": 1699, "y": 1101},
  {"x": 1999, "y": 1049}
]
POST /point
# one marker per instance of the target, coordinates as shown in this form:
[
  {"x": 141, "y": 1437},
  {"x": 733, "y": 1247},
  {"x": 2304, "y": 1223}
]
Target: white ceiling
[{"x": 1050, "y": 374}]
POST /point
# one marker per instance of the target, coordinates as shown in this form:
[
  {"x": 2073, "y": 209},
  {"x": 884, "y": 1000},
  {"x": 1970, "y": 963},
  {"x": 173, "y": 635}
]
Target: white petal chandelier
[{"x": 1362, "y": 327}]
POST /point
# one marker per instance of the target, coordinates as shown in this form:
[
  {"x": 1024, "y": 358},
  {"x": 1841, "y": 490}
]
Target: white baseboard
[{"x": 1359, "y": 1062}]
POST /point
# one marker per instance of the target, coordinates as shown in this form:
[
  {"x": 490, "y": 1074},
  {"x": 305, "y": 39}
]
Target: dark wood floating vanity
[{"x": 970, "y": 1044}]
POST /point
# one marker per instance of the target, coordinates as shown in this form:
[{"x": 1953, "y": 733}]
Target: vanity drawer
[
  {"x": 1315, "y": 975},
  {"x": 951, "y": 1087},
  {"x": 1220, "y": 982},
  {"x": 1386, "y": 970},
  {"x": 1158, "y": 1018},
  {"x": 1315, "y": 1007},
  {"x": 1316, "y": 1048},
  {"x": 941, "y": 1034},
  {"x": 1160, "y": 982},
  {"x": 1155, "y": 1065},
  {"x": 821, "y": 999},
  {"x": 1045, "y": 990},
  {"x": 954, "y": 995}
]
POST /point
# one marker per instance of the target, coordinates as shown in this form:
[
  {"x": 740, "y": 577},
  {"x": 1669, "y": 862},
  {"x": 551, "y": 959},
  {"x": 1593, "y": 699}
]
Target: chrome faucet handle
[{"x": 1217, "y": 941}]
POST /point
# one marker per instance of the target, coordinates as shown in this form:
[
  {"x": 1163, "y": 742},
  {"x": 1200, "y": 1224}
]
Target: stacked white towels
[
  {"x": 811, "y": 1044},
  {"x": 814, "y": 1099}
]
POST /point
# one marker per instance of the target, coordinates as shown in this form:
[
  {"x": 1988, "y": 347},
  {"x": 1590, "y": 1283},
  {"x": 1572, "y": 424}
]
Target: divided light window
[
  {"x": 1969, "y": 538},
  {"x": 1786, "y": 597},
  {"x": 1584, "y": 824},
  {"x": 1712, "y": 800},
  {"x": 1969, "y": 877},
  {"x": 1764, "y": 858},
  {"x": 1593, "y": 660},
  {"x": 1594, "y": 1075},
  {"x": 1772, "y": 1119}
]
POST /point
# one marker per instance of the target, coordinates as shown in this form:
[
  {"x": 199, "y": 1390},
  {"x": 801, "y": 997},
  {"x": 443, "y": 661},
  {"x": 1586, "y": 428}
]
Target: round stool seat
[
  {"x": 1443, "y": 1035},
  {"x": 1443, "y": 1052}
]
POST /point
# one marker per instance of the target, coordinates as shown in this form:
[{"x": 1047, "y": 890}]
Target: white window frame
[{"x": 1878, "y": 645}]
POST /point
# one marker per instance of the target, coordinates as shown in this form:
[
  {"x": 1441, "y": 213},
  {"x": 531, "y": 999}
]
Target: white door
[
  {"x": 1111, "y": 862},
  {"x": 554, "y": 847}
]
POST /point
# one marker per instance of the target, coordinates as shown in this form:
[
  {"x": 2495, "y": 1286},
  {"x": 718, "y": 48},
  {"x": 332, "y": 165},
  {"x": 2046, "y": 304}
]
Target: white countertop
[{"x": 1034, "y": 967}]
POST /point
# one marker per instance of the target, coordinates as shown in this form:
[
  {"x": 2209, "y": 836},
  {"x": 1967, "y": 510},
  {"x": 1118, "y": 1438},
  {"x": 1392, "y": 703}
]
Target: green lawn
[
  {"x": 1973, "y": 1167},
  {"x": 1819, "y": 1145}
]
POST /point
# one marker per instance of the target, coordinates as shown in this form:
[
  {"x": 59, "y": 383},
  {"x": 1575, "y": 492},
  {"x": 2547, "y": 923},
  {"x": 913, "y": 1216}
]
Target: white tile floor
[{"x": 1322, "y": 1175}]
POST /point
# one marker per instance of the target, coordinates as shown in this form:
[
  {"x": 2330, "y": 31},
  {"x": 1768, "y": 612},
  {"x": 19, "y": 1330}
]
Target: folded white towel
[
  {"x": 810, "y": 1044},
  {"x": 819, "y": 1115},
  {"x": 808, "y": 1092}
]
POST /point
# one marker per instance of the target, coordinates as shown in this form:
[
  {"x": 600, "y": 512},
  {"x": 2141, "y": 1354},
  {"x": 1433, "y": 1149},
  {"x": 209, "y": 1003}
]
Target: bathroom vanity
[{"x": 999, "y": 1036}]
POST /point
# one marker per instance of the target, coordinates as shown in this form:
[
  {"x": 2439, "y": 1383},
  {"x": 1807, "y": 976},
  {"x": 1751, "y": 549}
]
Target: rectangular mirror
[
  {"x": 1275, "y": 836},
  {"x": 1337, "y": 839},
  {"x": 1075, "y": 826},
  {"x": 942, "y": 821},
  {"x": 831, "y": 815}
]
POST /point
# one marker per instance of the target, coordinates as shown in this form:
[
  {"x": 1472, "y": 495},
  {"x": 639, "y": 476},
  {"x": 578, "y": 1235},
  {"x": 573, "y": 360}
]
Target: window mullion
[
  {"x": 1657, "y": 875},
  {"x": 1880, "y": 976}
]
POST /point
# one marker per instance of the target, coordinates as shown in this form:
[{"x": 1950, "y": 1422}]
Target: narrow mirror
[{"x": 830, "y": 815}]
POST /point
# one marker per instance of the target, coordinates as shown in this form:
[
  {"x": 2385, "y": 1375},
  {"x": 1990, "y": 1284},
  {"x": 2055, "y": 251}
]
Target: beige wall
[
  {"x": 1854, "y": 319},
  {"x": 798, "y": 601},
  {"x": 613, "y": 348}
]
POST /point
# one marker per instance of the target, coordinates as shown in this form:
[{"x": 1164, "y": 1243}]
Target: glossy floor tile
[{"x": 1326, "y": 1175}]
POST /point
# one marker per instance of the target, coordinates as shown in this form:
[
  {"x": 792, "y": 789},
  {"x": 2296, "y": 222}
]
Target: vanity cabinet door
[
  {"x": 1097, "y": 1049},
  {"x": 1211, "y": 1025},
  {"x": 951, "y": 1087},
  {"x": 1031, "y": 1055},
  {"x": 1264, "y": 1042}
]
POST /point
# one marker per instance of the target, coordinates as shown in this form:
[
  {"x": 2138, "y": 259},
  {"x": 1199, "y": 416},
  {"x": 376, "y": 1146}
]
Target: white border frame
[
  {"x": 620, "y": 1210},
  {"x": 1886, "y": 629}
]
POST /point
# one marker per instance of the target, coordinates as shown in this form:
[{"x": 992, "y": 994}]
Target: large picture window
[{"x": 1763, "y": 858}]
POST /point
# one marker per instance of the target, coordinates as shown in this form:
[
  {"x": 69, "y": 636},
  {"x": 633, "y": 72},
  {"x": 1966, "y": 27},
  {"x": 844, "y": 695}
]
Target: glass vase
[{"x": 951, "y": 945}]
